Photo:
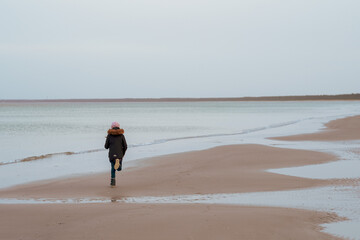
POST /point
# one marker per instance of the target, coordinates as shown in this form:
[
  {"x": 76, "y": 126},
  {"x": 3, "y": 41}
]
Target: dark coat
[{"x": 116, "y": 143}]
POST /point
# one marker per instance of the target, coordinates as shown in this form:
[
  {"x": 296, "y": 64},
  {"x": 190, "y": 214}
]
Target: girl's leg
[
  {"x": 112, "y": 183},
  {"x": 112, "y": 170},
  {"x": 120, "y": 165}
]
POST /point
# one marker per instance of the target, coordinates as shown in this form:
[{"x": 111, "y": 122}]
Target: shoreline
[
  {"x": 226, "y": 169},
  {"x": 337, "y": 130},
  {"x": 242, "y": 168}
]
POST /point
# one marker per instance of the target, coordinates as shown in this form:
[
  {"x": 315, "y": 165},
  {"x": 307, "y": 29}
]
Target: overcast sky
[{"x": 178, "y": 48}]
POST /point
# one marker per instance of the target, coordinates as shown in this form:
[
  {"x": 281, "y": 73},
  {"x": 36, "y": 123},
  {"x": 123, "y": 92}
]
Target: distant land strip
[{"x": 341, "y": 97}]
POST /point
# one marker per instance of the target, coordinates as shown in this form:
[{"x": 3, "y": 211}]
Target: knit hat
[{"x": 115, "y": 124}]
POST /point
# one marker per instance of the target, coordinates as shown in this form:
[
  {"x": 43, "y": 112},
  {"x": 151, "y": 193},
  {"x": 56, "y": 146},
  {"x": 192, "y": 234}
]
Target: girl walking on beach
[{"x": 116, "y": 143}]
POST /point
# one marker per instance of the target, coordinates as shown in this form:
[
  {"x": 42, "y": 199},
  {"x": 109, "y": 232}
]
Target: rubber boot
[{"x": 113, "y": 182}]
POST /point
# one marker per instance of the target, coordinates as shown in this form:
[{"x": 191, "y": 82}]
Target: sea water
[{"x": 51, "y": 140}]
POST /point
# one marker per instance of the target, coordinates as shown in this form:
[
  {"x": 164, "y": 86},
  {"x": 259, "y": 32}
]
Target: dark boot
[{"x": 113, "y": 182}]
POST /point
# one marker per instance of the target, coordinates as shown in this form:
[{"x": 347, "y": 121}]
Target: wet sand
[
  {"x": 226, "y": 169},
  {"x": 337, "y": 130},
  {"x": 162, "y": 221}
]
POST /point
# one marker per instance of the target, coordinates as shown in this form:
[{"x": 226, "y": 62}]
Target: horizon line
[{"x": 351, "y": 96}]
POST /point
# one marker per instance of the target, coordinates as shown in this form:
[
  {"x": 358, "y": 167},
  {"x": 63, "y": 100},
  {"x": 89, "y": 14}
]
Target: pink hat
[{"x": 115, "y": 124}]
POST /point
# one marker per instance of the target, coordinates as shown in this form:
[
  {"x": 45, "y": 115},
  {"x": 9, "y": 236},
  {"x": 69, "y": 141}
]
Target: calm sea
[{"x": 48, "y": 140}]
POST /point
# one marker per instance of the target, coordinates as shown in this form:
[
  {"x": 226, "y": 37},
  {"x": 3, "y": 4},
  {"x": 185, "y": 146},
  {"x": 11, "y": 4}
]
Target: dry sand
[{"x": 227, "y": 169}]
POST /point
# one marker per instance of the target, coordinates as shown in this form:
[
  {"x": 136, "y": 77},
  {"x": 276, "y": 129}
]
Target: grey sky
[{"x": 182, "y": 48}]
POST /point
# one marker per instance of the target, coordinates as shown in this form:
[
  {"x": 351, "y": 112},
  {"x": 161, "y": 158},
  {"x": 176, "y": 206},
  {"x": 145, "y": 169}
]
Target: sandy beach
[
  {"x": 138, "y": 221},
  {"x": 225, "y": 169}
]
